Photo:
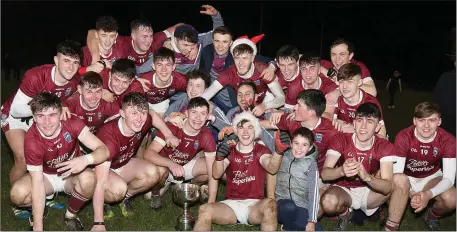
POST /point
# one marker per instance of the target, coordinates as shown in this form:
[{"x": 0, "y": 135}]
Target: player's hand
[
  {"x": 310, "y": 226},
  {"x": 177, "y": 119},
  {"x": 275, "y": 117},
  {"x": 177, "y": 170},
  {"x": 364, "y": 176},
  {"x": 172, "y": 141},
  {"x": 421, "y": 200},
  {"x": 282, "y": 142},
  {"x": 350, "y": 167},
  {"x": 72, "y": 166},
  {"x": 193, "y": 53},
  {"x": 208, "y": 10},
  {"x": 107, "y": 95},
  {"x": 65, "y": 113},
  {"x": 98, "y": 228},
  {"x": 291, "y": 116},
  {"x": 211, "y": 107},
  {"x": 108, "y": 63},
  {"x": 268, "y": 74},
  {"x": 223, "y": 149},
  {"x": 259, "y": 110},
  {"x": 338, "y": 124},
  {"x": 347, "y": 128},
  {"x": 225, "y": 131},
  {"x": 145, "y": 83},
  {"x": 95, "y": 67}
]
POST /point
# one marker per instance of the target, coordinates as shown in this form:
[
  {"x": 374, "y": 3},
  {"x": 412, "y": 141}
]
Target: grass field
[{"x": 165, "y": 219}]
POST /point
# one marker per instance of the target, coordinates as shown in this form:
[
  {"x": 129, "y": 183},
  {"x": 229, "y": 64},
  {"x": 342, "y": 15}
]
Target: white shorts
[
  {"x": 10, "y": 123},
  {"x": 187, "y": 170},
  {"x": 418, "y": 184},
  {"x": 160, "y": 107},
  {"x": 57, "y": 182},
  {"x": 241, "y": 208},
  {"x": 117, "y": 170},
  {"x": 359, "y": 197}
]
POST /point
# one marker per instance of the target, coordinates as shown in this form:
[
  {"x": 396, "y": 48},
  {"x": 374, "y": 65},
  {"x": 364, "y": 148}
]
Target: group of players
[{"x": 294, "y": 138}]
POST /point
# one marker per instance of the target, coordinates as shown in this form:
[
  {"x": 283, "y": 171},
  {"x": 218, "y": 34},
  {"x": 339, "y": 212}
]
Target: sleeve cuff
[
  {"x": 333, "y": 152},
  {"x": 33, "y": 168},
  {"x": 160, "y": 140}
]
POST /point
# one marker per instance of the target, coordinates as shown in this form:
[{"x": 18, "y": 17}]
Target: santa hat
[
  {"x": 245, "y": 40},
  {"x": 250, "y": 117}
]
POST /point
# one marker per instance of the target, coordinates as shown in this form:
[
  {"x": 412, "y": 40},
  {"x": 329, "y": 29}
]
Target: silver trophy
[{"x": 185, "y": 195}]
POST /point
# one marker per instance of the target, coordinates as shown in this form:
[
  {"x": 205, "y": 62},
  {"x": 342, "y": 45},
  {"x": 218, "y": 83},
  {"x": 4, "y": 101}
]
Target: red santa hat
[
  {"x": 245, "y": 40},
  {"x": 250, "y": 117}
]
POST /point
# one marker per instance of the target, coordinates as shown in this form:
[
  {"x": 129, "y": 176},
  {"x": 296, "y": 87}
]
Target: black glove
[
  {"x": 27, "y": 120},
  {"x": 223, "y": 149},
  {"x": 282, "y": 144},
  {"x": 332, "y": 72}
]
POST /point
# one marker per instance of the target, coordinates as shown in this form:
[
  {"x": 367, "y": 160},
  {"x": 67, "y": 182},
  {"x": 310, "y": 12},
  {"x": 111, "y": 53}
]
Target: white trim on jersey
[
  {"x": 388, "y": 159},
  {"x": 333, "y": 152},
  {"x": 34, "y": 168},
  {"x": 160, "y": 140},
  {"x": 366, "y": 79},
  {"x": 210, "y": 153}
]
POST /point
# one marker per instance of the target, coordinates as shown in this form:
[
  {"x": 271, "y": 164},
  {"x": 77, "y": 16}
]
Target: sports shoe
[
  {"x": 156, "y": 202},
  {"x": 21, "y": 213},
  {"x": 433, "y": 225},
  {"x": 107, "y": 212},
  {"x": 53, "y": 204},
  {"x": 204, "y": 193},
  {"x": 164, "y": 189},
  {"x": 343, "y": 222},
  {"x": 74, "y": 224},
  {"x": 126, "y": 208}
]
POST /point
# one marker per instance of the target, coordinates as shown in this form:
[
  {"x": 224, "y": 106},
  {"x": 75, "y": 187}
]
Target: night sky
[{"x": 413, "y": 37}]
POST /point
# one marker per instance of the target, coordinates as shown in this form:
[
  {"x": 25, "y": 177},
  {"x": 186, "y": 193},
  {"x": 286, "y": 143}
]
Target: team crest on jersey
[
  {"x": 196, "y": 144},
  {"x": 67, "y": 91},
  {"x": 138, "y": 135},
  {"x": 67, "y": 137},
  {"x": 99, "y": 115},
  {"x": 318, "y": 137},
  {"x": 435, "y": 151},
  {"x": 257, "y": 82},
  {"x": 171, "y": 91}
]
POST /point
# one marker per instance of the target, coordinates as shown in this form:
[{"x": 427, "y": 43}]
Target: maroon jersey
[
  {"x": 131, "y": 53},
  {"x": 158, "y": 39},
  {"x": 122, "y": 148},
  {"x": 366, "y": 75},
  {"x": 343, "y": 146},
  {"x": 346, "y": 112},
  {"x": 189, "y": 146},
  {"x": 41, "y": 79},
  {"x": 159, "y": 94},
  {"x": 245, "y": 174},
  {"x": 323, "y": 134},
  {"x": 325, "y": 86},
  {"x": 423, "y": 158},
  {"x": 230, "y": 77},
  {"x": 117, "y": 52},
  {"x": 135, "y": 86},
  {"x": 285, "y": 84},
  {"x": 40, "y": 151},
  {"x": 93, "y": 118}
]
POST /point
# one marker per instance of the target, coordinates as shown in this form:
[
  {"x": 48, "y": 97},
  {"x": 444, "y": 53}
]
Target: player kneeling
[
  {"x": 183, "y": 162},
  {"x": 246, "y": 165},
  {"x": 123, "y": 176},
  {"x": 421, "y": 148},
  {"x": 54, "y": 162},
  {"x": 362, "y": 155}
]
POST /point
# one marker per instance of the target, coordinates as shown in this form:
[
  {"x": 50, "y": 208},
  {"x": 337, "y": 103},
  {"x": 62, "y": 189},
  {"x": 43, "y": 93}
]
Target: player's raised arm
[{"x": 92, "y": 44}]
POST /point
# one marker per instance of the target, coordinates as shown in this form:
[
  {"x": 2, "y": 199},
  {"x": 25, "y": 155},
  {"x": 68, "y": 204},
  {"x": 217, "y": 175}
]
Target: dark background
[{"x": 413, "y": 37}]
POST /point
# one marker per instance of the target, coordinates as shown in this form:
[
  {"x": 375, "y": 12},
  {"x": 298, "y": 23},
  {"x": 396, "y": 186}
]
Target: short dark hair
[
  {"x": 43, "y": 101},
  {"x": 348, "y": 71},
  {"x": 140, "y": 22},
  {"x": 368, "y": 110},
  {"x": 287, "y": 52},
  {"x": 199, "y": 74},
  {"x": 305, "y": 133},
  {"x": 314, "y": 99},
  {"x": 91, "y": 79},
  {"x": 124, "y": 67},
  {"x": 135, "y": 99},
  {"x": 106, "y": 24},
  {"x": 187, "y": 33},
  {"x": 248, "y": 83},
  {"x": 197, "y": 102},
  {"x": 340, "y": 41},
  {"x": 164, "y": 54},
  {"x": 427, "y": 109},
  {"x": 223, "y": 30},
  {"x": 70, "y": 48},
  {"x": 309, "y": 58},
  {"x": 241, "y": 49}
]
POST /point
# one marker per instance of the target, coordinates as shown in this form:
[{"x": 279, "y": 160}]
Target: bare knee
[
  {"x": 116, "y": 192},
  {"x": 21, "y": 194},
  {"x": 152, "y": 175},
  {"x": 401, "y": 181},
  {"x": 87, "y": 181},
  {"x": 448, "y": 199},
  {"x": 204, "y": 212},
  {"x": 329, "y": 203}
]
